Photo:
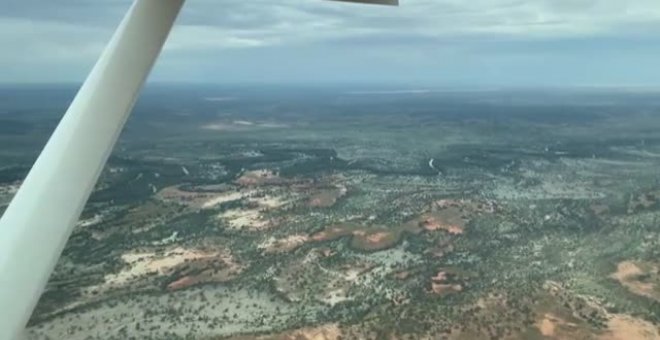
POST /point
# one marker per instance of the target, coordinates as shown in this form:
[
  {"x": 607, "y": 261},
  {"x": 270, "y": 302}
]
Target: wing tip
[{"x": 373, "y": 2}]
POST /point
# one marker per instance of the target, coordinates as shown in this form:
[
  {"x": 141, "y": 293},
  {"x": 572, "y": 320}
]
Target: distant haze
[{"x": 429, "y": 42}]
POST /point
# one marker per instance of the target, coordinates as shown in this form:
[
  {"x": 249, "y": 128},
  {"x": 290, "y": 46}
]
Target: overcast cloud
[{"x": 440, "y": 42}]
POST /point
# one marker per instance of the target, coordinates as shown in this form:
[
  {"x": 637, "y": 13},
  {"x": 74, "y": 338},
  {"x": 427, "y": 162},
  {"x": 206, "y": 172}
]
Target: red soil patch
[
  {"x": 220, "y": 268},
  {"x": 378, "y": 237},
  {"x": 451, "y": 216},
  {"x": 364, "y": 239},
  {"x": 440, "y": 286},
  {"x": 444, "y": 289},
  {"x": 259, "y": 177},
  {"x": 326, "y": 198},
  {"x": 331, "y": 234},
  {"x": 181, "y": 283},
  {"x": 433, "y": 223},
  {"x": 378, "y": 240}
]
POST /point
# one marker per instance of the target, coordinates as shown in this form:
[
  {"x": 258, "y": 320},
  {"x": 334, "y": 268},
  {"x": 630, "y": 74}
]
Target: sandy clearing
[
  {"x": 619, "y": 326},
  {"x": 443, "y": 289},
  {"x": 555, "y": 327},
  {"x": 627, "y": 274},
  {"x": 224, "y": 198},
  {"x": 251, "y": 219},
  {"x": 270, "y": 201},
  {"x": 141, "y": 264},
  {"x": 259, "y": 177},
  {"x": 335, "y": 297},
  {"x": 90, "y": 221},
  {"x": 625, "y": 327},
  {"x": 549, "y": 324},
  {"x": 273, "y": 245},
  {"x": 325, "y": 332},
  {"x": 353, "y": 274}
]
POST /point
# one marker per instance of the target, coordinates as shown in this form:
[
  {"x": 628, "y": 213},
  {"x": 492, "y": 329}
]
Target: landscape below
[{"x": 322, "y": 213}]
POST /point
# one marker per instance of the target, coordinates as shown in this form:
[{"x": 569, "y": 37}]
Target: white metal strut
[{"x": 36, "y": 225}]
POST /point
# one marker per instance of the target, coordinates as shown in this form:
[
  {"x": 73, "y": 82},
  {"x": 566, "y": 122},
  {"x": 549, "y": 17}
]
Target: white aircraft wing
[{"x": 374, "y": 2}]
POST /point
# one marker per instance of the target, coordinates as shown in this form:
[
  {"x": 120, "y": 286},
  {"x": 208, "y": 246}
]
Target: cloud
[{"x": 66, "y": 36}]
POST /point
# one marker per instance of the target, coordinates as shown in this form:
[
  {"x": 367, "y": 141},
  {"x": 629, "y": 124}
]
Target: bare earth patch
[
  {"x": 448, "y": 221},
  {"x": 269, "y": 201},
  {"x": 451, "y": 216},
  {"x": 625, "y": 327},
  {"x": 326, "y": 198},
  {"x": 440, "y": 286},
  {"x": 220, "y": 268},
  {"x": 224, "y": 198},
  {"x": 259, "y": 177},
  {"x": 202, "y": 199},
  {"x": 254, "y": 215},
  {"x": 283, "y": 245},
  {"x": 377, "y": 237},
  {"x": 251, "y": 219},
  {"x": 143, "y": 264},
  {"x": 324, "y": 332},
  {"x": 331, "y": 233},
  {"x": 617, "y": 326},
  {"x": 630, "y": 274},
  {"x": 372, "y": 238},
  {"x": 547, "y": 325},
  {"x": 216, "y": 265},
  {"x": 328, "y": 332},
  {"x": 555, "y": 327}
]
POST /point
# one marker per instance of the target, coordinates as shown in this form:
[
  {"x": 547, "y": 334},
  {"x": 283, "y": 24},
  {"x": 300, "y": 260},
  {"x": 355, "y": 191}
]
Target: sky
[{"x": 423, "y": 42}]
